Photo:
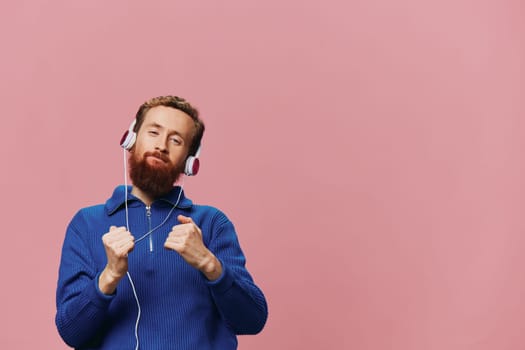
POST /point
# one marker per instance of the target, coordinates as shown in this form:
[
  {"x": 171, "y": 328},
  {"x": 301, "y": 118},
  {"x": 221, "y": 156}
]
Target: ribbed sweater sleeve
[
  {"x": 81, "y": 307},
  {"x": 240, "y": 302}
]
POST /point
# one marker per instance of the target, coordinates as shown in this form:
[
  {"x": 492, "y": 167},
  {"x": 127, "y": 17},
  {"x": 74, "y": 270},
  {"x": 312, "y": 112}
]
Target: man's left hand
[{"x": 186, "y": 239}]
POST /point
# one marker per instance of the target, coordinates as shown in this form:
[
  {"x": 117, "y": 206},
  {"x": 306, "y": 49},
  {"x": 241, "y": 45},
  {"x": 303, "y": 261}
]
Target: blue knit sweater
[{"x": 180, "y": 308}]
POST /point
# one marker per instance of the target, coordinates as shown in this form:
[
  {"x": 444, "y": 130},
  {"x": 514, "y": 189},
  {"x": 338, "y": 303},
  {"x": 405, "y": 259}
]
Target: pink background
[{"x": 369, "y": 152}]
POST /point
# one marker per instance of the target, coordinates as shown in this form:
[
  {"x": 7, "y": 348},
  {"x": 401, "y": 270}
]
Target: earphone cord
[
  {"x": 138, "y": 312},
  {"x": 126, "y": 188},
  {"x": 163, "y": 221},
  {"x": 127, "y": 228},
  {"x": 126, "y": 203},
  {"x": 141, "y": 238}
]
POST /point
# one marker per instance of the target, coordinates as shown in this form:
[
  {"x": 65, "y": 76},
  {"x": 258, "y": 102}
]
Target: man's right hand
[{"x": 118, "y": 242}]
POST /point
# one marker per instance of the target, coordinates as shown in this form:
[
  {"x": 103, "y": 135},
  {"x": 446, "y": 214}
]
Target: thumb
[
  {"x": 112, "y": 227},
  {"x": 184, "y": 219}
]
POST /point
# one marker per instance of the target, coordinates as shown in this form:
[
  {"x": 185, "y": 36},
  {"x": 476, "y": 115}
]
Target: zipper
[{"x": 150, "y": 238}]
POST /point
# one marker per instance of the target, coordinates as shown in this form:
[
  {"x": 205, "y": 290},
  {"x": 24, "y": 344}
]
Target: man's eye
[
  {"x": 175, "y": 141},
  {"x": 153, "y": 132}
]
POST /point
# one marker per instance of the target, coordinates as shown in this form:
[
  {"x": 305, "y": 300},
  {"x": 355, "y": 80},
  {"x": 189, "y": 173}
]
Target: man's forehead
[{"x": 170, "y": 118}]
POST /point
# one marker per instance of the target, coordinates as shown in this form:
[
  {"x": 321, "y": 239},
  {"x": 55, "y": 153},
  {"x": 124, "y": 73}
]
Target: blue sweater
[{"x": 180, "y": 308}]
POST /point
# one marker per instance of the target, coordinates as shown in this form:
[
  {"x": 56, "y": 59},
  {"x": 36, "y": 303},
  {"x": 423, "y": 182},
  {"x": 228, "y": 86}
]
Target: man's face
[{"x": 159, "y": 154}]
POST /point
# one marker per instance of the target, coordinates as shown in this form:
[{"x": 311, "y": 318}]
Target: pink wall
[{"x": 369, "y": 152}]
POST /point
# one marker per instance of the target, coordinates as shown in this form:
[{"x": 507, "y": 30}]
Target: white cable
[
  {"x": 141, "y": 238},
  {"x": 163, "y": 222},
  {"x": 138, "y": 313},
  {"x": 126, "y": 187},
  {"x": 127, "y": 272}
]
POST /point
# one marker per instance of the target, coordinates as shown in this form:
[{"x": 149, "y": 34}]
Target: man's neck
[{"x": 143, "y": 196}]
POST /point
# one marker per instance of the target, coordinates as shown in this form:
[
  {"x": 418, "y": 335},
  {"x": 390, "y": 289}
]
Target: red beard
[{"x": 155, "y": 179}]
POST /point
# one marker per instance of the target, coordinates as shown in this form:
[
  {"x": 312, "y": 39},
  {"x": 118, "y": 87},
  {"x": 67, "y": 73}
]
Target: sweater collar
[{"x": 117, "y": 199}]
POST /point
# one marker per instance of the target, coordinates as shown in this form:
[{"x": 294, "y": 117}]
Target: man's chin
[{"x": 153, "y": 175}]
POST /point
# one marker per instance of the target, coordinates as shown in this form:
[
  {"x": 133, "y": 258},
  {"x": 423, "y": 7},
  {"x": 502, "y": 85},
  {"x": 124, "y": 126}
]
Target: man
[{"x": 149, "y": 269}]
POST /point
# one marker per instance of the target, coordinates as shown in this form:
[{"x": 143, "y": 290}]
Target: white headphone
[
  {"x": 128, "y": 139},
  {"x": 192, "y": 165}
]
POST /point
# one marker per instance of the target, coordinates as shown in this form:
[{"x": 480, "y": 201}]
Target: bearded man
[{"x": 150, "y": 269}]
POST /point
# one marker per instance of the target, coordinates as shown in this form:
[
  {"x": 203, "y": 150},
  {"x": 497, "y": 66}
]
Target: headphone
[{"x": 192, "y": 165}]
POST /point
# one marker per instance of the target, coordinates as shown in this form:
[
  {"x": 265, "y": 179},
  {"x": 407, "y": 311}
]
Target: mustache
[{"x": 162, "y": 156}]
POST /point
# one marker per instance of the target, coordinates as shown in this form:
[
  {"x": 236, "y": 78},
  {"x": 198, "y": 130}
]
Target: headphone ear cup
[
  {"x": 192, "y": 166},
  {"x": 128, "y": 139}
]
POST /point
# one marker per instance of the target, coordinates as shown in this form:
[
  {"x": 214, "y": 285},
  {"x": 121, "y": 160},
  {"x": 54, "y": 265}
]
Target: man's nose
[{"x": 161, "y": 145}]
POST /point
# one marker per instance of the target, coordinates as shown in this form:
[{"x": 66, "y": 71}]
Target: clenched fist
[
  {"x": 186, "y": 239},
  {"x": 118, "y": 242}
]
